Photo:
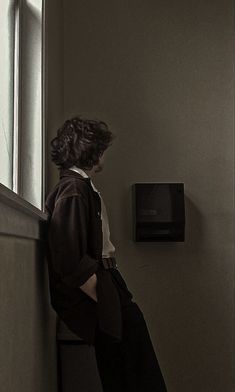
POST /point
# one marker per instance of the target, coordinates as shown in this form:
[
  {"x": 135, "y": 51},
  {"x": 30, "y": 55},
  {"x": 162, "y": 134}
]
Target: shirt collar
[{"x": 79, "y": 170}]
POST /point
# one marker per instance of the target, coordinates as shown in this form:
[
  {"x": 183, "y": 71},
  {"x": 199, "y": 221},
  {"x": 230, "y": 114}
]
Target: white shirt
[{"x": 108, "y": 248}]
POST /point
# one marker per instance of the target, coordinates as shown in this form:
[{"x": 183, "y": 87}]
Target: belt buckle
[{"x": 109, "y": 262}]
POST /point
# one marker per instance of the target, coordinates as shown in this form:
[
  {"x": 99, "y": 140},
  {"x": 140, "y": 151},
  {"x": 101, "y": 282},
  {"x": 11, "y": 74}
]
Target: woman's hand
[{"x": 89, "y": 287}]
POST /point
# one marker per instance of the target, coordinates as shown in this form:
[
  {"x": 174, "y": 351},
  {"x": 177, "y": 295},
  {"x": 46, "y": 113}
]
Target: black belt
[{"x": 108, "y": 262}]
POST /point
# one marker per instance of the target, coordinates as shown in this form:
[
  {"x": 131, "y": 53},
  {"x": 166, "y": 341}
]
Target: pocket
[
  {"x": 103, "y": 283},
  {"x": 86, "y": 297}
]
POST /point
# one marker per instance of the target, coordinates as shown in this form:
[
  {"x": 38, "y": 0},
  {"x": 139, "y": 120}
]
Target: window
[
  {"x": 7, "y": 34},
  {"x": 22, "y": 99}
]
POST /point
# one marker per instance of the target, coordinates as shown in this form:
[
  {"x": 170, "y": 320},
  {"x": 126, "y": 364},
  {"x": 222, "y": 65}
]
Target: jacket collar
[
  {"x": 63, "y": 173},
  {"x": 83, "y": 174}
]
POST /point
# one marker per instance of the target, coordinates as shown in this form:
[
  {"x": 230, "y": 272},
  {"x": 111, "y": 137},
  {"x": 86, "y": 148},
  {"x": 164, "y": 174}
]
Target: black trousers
[{"x": 130, "y": 365}]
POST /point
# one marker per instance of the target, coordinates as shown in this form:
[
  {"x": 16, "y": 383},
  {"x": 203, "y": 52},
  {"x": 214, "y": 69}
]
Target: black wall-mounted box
[{"x": 158, "y": 212}]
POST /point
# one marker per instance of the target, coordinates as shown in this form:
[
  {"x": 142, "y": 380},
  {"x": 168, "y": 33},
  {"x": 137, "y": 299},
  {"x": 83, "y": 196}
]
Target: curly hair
[{"x": 80, "y": 142}]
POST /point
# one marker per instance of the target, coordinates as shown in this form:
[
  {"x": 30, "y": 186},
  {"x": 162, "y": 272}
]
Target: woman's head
[{"x": 80, "y": 142}]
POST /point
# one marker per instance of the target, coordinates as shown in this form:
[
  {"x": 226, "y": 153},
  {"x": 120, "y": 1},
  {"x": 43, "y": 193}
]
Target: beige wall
[
  {"x": 28, "y": 350},
  {"x": 161, "y": 74}
]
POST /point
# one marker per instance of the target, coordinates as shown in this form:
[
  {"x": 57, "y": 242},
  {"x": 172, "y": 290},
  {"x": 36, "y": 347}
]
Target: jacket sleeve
[{"x": 68, "y": 235}]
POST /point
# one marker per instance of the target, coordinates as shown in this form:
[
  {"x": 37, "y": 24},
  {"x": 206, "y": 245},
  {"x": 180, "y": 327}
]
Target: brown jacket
[{"x": 74, "y": 249}]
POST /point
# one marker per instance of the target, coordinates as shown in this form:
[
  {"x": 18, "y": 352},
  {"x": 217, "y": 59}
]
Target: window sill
[
  {"x": 20, "y": 218},
  {"x": 12, "y": 199}
]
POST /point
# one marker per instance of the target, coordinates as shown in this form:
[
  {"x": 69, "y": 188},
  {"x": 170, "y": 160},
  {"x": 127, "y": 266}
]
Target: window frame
[{"x": 13, "y": 197}]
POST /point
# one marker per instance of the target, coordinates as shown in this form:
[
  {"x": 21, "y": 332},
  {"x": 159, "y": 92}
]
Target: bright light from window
[
  {"x": 6, "y": 91},
  {"x": 31, "y": 106}
]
